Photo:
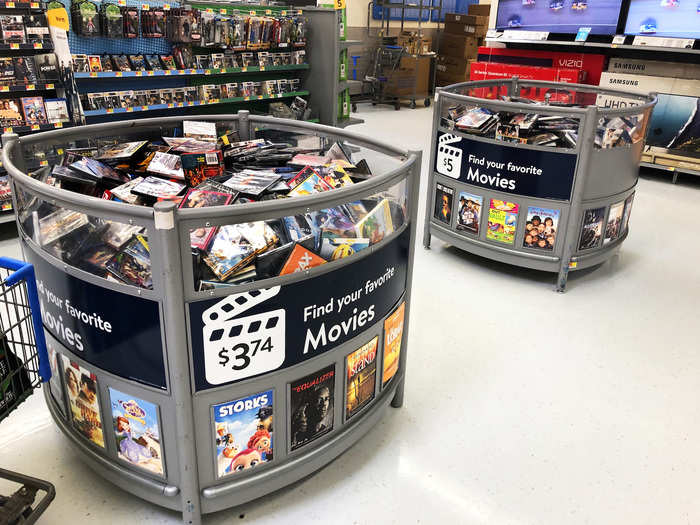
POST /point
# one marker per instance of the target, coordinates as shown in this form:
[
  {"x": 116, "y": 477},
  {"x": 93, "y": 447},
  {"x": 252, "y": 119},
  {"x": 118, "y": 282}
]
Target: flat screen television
[
  {"x": 668, "y": 18},
  {"x": 559, "y": 16}
]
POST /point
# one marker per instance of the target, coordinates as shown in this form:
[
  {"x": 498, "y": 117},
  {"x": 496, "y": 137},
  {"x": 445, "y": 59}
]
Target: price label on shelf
[
  {"x": 129, "y": 110},
  {"x": 93, "y": 74},
  {"x": 190, "y": 104},
  {"x": 181, "y": 72},
  {"x": 252, "y": 13},
  {"x": 43, "y": 163},
  {"x": 207, "y": 71},
  {"x": 145, "y": 7},
  {"x": 268, "y": 12},
  {"x": 180, "y": 105},
  {"x": 246, "y": 99},
  {"x": 215, "y": 101},
  {"x": 166, "y": 7},
  {"x": 4, "y": 88},
  {"x": 14, "y": 46},
  {"x": 244, "y": 69},
  {"x": 167, "y": 72},
  {"x": 260, "y": 97},
  {"x": 10, "y": 5},
  {"x": 7, "y": 130},
  {"x": 49, "y": 86},
  {"x": 209, "y": 10},
  {"x": 38, "y": 45},
  {"x": 144, "y": 108},
  {"x": 118, "y": 74},
  {"x": 36, "y": 127},
  {"x": 573, "y": 264},
  {"x": 121, "y": 2},
  {"x": 59, "y": 151},
  {"x": 299, "y": 12},
  {"x": 340, "y": 4},
  {"x": 259, "y": 346},
  {"x": 34, "y": 5},
  {"x": 262, "y": 68},
  {"x": 171, "y": 106},
  {"x": 139, "y": 73},
  {"x": 110, "y": 111},
  {"x": 193, "y": 71},
  {"x": 150, "y": 73},
  {"x": 30, "y": 87}
]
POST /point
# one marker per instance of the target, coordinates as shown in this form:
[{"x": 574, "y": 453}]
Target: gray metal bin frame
[
  {"x": 601, "y": 177},
  {"x": 190, "y": 483}
]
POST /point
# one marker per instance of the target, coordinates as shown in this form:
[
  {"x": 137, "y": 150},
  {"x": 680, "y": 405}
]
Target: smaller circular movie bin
[
  {"x": 535, "y": 174},
  {"x": 194, "y": 385}
]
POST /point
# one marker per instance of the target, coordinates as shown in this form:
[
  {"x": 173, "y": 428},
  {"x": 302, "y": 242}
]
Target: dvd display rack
[
  {"x": 543, "y": 178},
  {"x": 32, "y": 95},
  {"x": 203, "y": 81},
  {"x": 199, "y": 399}
]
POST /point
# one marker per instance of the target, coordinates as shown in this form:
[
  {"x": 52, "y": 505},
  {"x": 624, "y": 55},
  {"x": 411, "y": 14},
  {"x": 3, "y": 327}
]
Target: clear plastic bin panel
[
  {"x": 108, "y": 249},
  {"x": 232, "y": 254}
]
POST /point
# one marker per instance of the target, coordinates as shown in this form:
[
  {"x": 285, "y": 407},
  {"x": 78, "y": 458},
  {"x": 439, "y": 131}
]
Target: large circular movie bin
[
  {"x": 156, "y": 356},
  {"x": 488, "y": 190}
]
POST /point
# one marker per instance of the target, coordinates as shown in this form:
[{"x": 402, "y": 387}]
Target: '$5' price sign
[{"x": 240, "y": 347}]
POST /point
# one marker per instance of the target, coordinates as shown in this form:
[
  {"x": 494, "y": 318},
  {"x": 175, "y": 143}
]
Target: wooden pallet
[{"x": 671, "y": 162}]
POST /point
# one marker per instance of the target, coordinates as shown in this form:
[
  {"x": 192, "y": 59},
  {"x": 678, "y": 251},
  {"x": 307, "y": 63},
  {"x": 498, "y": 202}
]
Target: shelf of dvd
[
  {"x": 266, "y": 265},
  {"x": 187, "y": 72},
  {"x": 185, "y": 104},
  {"x": 535, "y": 174}
]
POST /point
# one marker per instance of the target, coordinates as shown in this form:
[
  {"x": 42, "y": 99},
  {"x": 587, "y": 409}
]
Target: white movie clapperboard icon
[
  {"x": 240, "y": 347},
  {"x": 449, "y": 158}
]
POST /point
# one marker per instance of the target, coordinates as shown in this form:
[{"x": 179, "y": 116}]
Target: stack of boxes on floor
[
  {"x": 412, "y": 76},
  {"x": 459, "y": 44}
]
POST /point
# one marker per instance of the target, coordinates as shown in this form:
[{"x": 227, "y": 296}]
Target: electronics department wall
[{"x": 357, "y": 16}]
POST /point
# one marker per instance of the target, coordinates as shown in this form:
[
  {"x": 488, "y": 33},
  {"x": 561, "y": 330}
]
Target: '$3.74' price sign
[{"x": 240, "y": 347}]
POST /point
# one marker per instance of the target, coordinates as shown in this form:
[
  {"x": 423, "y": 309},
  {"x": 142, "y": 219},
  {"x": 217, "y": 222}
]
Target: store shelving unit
[
  {"x": 173, "y": 378},
  {"x": 323, "y": 54},
  {"x": 570, "y": 181}
]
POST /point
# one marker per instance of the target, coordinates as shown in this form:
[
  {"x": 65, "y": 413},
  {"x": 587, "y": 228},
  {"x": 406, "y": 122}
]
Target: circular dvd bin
[
  {"x": 203, "y": 376},
  {"x": 535, "y": 174}
]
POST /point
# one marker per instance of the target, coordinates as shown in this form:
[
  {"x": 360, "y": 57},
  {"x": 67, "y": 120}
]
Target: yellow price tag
[
  {"x": 339, "y": 4},
  {"x": 118, "y": 74},
  {"x": 180, "y": 71},
  {"x": 10, "y": 5},
  {"x": 110, "y": 110},
  {"x": 139, "y": 73},
  {"x": 59, "y": 150},
  {"x": 144, "y": 108},
  {"x": 246, "y": 99},
  {"x": 5, "y": 88},
  {"x": 171, "y": 106},
  {"x": 268, "y": 11},
  {"x": 150, "y": 73},
  {"x": 38, "y": 45},
  {"x": 252, "y": 13},
  {"x": 190, "y": 103},
  {"x": 7, "y": 130},
  {"x": 180, "y": 104},
  {"x": 193, "y": 71},
  {"x": 260, "y": 97},
  {"x": 129, "y": 110},
  {"x": 30, "y": 87},
  {"x": 34, "y": 5},
  {"x": 44, "y": 163},
  {"x": 49, "y": 86},
  {"x": 283, "y": 13},
  {"x": 35, "y": 127},
  {"x": 166, "y": 7},
  {"x": 244, "y": 69},
  {"x": 14, "y": 46},
  {"x": 93, "y": 74},
  {"x": 121, "y": 2},
  {"x": 573, "y": 264},
  {"x": 299, "y": 12},
  {"x": 167, "y": 72},
  {"x": 262, "y": 68},
  {"x": 209, "y": 10},
  {"x": 207, "y": 71},
  {"x": 145, "y": 7},
  {"x": 222, "y": 11}
]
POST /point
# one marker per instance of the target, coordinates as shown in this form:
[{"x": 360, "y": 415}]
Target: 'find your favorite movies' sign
[
  {"x": 252, "y": 333},
  {"x": 507, "y": 168}
]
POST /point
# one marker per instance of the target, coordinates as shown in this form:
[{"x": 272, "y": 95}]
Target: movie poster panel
[
  {"x": 243, "y": 433},
  {"x": 541, "y": 228},
  {"x": 613, "y": 228},
  {"x": 137, "y": 431},
  {"x": 81, "y": 386},
  {"x": 393, "y": 334},
  {"x": 443, "y": 203},
  {"x": 312, "y": 401},
  {"x": 592, "y": 229},
  {"x": 361, "y": 367},
  {"x": 469, "y": 214},
  {"x": 626, "y": 214},
  {"x": 503, "y": 219},
  {"x": 55, "y": 381}
]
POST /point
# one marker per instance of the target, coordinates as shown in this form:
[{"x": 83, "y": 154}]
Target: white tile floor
[{"x": 523, "y": 406}]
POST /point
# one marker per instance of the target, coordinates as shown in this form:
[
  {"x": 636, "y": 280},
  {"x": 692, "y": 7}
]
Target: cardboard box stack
[{"x": 460, "y": 42}]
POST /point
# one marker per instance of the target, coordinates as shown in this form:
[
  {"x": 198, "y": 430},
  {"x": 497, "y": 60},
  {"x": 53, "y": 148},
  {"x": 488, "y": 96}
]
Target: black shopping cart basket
[{"x": 24, "y": 365}]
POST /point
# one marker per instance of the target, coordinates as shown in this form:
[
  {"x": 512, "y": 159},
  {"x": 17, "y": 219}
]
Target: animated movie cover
[
  {"x": 312, "y": 402},
  {"x": 81, "y": 386},
  {"x": 592, "y": 229},
  {"x": 613, "y": 228},
  {"x": 503, "y": 219},
  {"x": 55, "y": 381},
  {"x": 243, "y": 433},
  {"x": 393, "y": 334},
  {"x": 541, "y": 228},
  {"x": 443, "y": 203},
  {"x": 361, "y": 368},
  {"x": 469, "y": 214},
  {"x": 374, "y": 226},
  {"x": 136, "y": 429}
]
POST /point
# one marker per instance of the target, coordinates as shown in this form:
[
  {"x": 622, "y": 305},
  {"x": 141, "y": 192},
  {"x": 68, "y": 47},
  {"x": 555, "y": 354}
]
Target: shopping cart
[{"x": 24, "y": 365}]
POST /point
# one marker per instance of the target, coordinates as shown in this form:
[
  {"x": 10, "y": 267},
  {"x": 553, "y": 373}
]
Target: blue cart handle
[{"x": 25, "y": 272}]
